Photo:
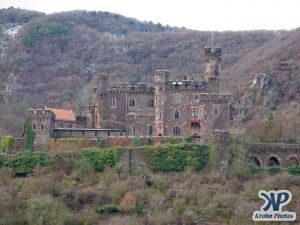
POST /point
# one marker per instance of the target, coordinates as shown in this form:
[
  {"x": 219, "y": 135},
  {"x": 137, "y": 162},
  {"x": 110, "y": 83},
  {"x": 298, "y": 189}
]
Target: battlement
[
  {"x": 40, "y": 114},
  {"x": 213, "y": 53}
]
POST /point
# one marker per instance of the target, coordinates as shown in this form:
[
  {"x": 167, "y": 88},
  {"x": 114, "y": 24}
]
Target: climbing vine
[{"x": 29, "y": 135}]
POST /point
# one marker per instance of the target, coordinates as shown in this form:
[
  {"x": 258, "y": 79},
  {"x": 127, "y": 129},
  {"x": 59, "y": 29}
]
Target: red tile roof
[{"x": 63, "y": 114}]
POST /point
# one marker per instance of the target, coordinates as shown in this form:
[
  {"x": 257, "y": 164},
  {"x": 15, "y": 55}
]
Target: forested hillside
[{"x": 51, "y": 59}]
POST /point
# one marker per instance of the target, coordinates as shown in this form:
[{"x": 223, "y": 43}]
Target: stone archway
[
  {"x": 273, "y": 161},
  {"x": 255, "y": 161},
  {"x": 292, "y": 161}
]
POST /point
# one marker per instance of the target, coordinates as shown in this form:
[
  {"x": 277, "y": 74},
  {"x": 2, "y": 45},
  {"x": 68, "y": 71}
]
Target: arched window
[
  {"x": 34, "y": 126},
  {"x": 176, "y": 114},
  {"x": 42, "y": 126}
]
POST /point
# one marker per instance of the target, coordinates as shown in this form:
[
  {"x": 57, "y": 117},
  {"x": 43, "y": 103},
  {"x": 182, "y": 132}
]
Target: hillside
[
  {"x": 51, "y": 59},
  {"x": 86, "y": 187}
]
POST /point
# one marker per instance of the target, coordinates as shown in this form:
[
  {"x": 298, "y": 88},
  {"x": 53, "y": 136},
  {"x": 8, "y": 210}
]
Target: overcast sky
[{"x": 194, "y": 14}]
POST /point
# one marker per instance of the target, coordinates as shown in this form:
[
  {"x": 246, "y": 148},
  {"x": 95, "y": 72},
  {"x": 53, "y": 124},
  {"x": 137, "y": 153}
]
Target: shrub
[
  {"x": 65, "y": 161},
  {"x": 136, "y": 142},
  {"x": 274, "y": 170},
  {"x": 254, "y": 170},
  {"x": 199, "y": 157},
  {"x": 295, "y": 170},
  {"x": 107, "y": 209},
  {"x": 101, "y": 158},
  {"x": 188, "y": 139},
  {"x": 2, "y": 160},
  {"x": 24, "y": 162},
  {"x": 6, "y": 142},
  {"x": 46, "y": 210}
]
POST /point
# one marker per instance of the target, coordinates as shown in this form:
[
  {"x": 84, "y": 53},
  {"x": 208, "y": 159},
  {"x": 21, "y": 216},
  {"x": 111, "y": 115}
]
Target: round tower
[
  {"x": 212, "y": 68},
  {"x": 161, "y": 84}
]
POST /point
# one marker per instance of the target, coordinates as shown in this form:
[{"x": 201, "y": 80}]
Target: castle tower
[
  {"x": 43, "y": 124},
  {"x": 100, "y": 88},
  {"x": 91, "y": 116},
  {"x": 161, "y": 84},
  {"x": 212, "y": 68}
]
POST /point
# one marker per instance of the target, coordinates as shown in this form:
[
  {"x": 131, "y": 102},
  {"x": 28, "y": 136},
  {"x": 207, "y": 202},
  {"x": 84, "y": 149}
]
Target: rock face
[{"x": 262, "y": 94}]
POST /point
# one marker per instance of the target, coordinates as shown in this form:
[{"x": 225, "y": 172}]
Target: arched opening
[
  {"x": 159, "y": 135},
  {"x": 293, "y": 161},
  {"x": 195, "y": 135},
  {"x": 273, "y": 161},
  {"x": 255, "y": 161}
]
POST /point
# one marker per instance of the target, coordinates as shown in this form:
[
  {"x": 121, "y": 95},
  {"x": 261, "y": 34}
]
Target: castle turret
[
  {"x": 161, "y": 84},
  {"x": 43, "y": 124},
  {"x": 91, "y": 116},
  {"x": 100, "y": 88},
  {"x": 212, "y": 69}
]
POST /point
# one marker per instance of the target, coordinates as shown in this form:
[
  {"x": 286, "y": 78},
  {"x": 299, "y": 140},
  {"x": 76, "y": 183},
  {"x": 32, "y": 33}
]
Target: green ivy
[
  {"x": 176, "y": 157},
  {"x": 24, "y": 162},
  {"x": 29, "y": 135},
  {"x": 101, "y": 158},
  {"x": 102, "y": 143},
  {"x": 136, "y": 142},
  {"x": 199, "y": 157}
]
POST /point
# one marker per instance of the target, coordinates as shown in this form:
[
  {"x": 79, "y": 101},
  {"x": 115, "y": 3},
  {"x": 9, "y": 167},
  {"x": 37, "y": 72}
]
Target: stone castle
[
  {"x": 190, "y": 107},
  {"x": 178, "y": 109}
]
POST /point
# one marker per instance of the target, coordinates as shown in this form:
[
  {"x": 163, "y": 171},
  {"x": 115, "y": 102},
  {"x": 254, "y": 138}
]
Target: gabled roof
[{"x": 63, "y": 114}]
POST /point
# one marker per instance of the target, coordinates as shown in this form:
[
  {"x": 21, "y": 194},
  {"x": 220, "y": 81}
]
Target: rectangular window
[
  {"x": 112, "y": 102},
  {"x": 194, "y": 113},
  {"x": 150, "y": 103},
  {"x": 177, "y": 99},
  {"x": 150, "y": 130},
  {"x": 176, "y": 131},
  {"x": 132, "y": 102},
  {"x": 215, "y": 111}
]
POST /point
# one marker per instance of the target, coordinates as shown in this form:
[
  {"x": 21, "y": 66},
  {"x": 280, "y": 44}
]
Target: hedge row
[
  {"x": 101, "y": 158},
  {"x": 176, "y": 157},
  {"x": 25, "y": 162}
]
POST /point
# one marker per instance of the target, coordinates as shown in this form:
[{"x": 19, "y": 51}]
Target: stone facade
[
  {"x": 187, "y": 108},
  {"x": 191, "y": 107}
]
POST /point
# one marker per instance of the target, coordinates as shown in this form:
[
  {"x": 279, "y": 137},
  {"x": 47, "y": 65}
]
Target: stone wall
[{"x": 274, "y": 154}]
